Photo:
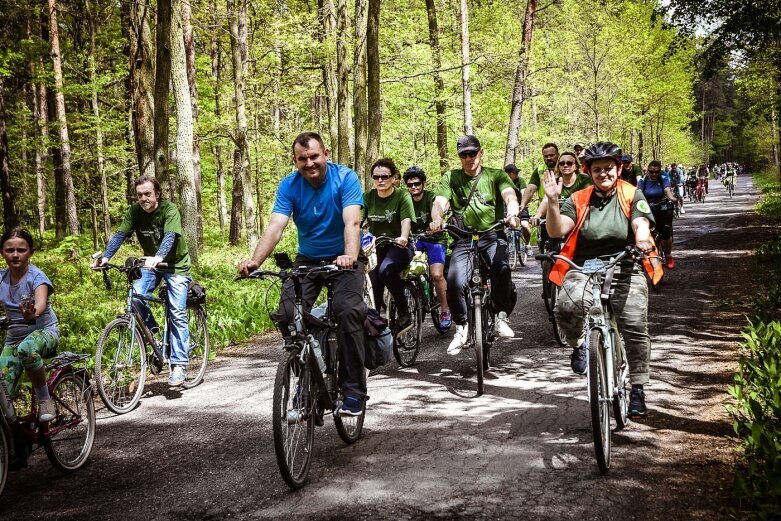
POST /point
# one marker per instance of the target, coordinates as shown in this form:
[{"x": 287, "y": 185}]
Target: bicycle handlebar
[
  {"x": 299, "y": 271},
  {"x": 125, "y": 268},
  {"x": 461, "y": 232},
  {"x": 629, "y": 251},
  {"x": 6, "y": 322}
]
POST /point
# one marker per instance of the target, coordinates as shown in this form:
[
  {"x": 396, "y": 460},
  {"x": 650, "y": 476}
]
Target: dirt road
[{"x": 522, "y": 451}]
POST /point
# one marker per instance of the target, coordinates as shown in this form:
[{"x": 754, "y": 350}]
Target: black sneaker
[
  {"x": 637, "y": 407},
  {"x": 403, "y": 321},
  {"x": 578, "y": 360}
]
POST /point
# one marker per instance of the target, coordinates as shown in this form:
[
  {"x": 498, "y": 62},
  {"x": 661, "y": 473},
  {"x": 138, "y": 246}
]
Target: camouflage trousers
[{"x": 630, "y": 305}]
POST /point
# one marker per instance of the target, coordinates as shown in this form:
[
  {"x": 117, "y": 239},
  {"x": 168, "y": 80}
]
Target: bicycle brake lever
[{"x": 106, "y": 280}]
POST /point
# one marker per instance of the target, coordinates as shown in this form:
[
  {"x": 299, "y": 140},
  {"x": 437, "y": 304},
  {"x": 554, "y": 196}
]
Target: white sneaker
[
  {"x": 459, "y": 341},
  {"x": 503, "y": 329},
  {"x": 46, "y": 410},
  {"x": 683, "y": 211}
]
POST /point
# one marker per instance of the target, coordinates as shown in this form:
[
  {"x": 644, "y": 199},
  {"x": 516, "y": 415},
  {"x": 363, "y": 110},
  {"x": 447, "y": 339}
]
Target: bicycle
[
  {"x": 516, "y": 248},
  {"x": 730, "y": 185},
  {"x": 608, "y": 369},
  {"x": 305, "y": 387},
  {"x": 550, "y": 292},
  {"x": 127, "y": 347},
  {"x": 481, "y": 316},
  {"x": 68, "y": 438}
]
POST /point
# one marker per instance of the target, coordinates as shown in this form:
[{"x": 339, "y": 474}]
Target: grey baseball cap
[{"x": 468, "y": 144}]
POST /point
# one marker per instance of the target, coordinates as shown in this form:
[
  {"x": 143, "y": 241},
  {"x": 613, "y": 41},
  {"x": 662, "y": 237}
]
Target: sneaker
[
  {"x": 459, "y": 340},
  {"x": 46, "y": 410},
  {"x": 637, "y": 407},
  {"x": 529, "y": 251},
  {"x": 445, "y": 320},
  {"x": 682, "y": 211},
  {"x": 403, "y": 321},
  {"x": 503, "y": 329},
  {"x": 578, "y": 360},
  {"x": 670, "y": 262},
  {"x": 177, "y": 376},
  {"x": 351, "y": 406}
]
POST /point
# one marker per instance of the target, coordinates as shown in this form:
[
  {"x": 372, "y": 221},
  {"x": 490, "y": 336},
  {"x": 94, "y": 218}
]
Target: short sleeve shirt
[
  {"x": 653, "y": 190},
  {"x": 11, "y": 295},
  {"x": 385, "y": 214},
  {"x": 606, "y": 230},
  {"x": 486, "y": 206},
  {"x": 422, "y": 218},
  {"x": 581, "y": 182},
  {"x": 150, "y": 229},
  {"x": 632, "y": 175},
  {"x": 317, "y": 212}
]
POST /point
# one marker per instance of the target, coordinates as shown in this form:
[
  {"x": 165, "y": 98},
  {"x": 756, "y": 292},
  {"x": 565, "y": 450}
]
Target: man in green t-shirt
[
  {"x": 520, "y": 185},
  {"x": 550, "y": 153},
  {"x": 493, "y": 190},
  {"x": 158, "y": 229},
  {"x": 435, "y": 246}
]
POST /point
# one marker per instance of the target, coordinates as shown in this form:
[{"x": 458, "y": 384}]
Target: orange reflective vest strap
[{"x": 580, "y": 199}]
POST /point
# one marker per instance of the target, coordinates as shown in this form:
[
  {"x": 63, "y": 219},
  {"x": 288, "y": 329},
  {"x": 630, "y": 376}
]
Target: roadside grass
[{"x": 756, "y": 388}]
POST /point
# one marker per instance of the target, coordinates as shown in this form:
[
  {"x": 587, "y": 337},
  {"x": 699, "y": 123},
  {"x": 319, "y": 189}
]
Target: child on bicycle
[{"x": 24, "y": 293}]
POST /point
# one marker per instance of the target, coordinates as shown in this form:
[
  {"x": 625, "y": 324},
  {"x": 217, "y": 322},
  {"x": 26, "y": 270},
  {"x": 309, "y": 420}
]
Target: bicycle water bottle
[
  {"x": 426, "y": 289},
  {"x": 317, "y": 352}
]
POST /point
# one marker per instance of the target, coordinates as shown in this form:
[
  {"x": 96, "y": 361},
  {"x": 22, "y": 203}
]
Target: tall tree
[
  {"x": 189, "y": 46},
  {"x": 216, "y": 59},
  {"x": 9, "y": 208},
  {"x": 439, "y": 84},
  {"x": 162, "y": 87},
  {"x": 238, "y": 32},
  {"x": 141, "y": 83},
  {"x": 62, "y": 120},
  {"x": 465, "y": 68},
  {"x": 342, "y": 81},
  {"x": 327, "y": 15},
  {"x": 373, "y": 82},
  {"x": 519, "y": 88},
  {"x": 360, "y": 100}
]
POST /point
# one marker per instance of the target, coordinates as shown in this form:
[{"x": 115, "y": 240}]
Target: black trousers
[{"x": 350, "y": 310}]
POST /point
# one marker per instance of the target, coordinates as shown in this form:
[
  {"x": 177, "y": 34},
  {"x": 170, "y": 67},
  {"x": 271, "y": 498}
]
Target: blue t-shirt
[
  {"x": 653, "y": 190},
  {"x": 317, "y": 212},
  {"x": 12, "y": 295}
]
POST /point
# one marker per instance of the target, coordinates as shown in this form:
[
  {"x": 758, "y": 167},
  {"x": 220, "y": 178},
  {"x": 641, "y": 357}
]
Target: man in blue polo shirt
[{"x": 325, "y": 201}]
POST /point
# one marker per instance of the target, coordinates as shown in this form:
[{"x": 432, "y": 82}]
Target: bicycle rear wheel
[
  {"x": 293, "y": 419},
  {"x": 477, "y": 332},
  {"x": 599, "y": 400},
  {"x": 547, "y": 287},
  {"x": 120, "y": 366},
  {"x": 406, "y": 345},
  {"x": 198, "y": 351},
  {"x": 69, "y": 436}
]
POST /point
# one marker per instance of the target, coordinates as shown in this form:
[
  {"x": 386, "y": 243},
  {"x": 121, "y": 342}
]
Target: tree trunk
[
  {"x": 98, "y": 124},
  {"x": 60, "y": 218},
  {"x": 216, "y": 55},
  {"x": 360, "y": 101},
  {"x": 774, "y": 129},
  {"x": 519, "y": 89},
  {"x": 184, "y": 131},
  {"x": 238, "y": 32},
  {"x": 141, "y": 93},
  {"x": 439, "y": 84},
  {"x": 373, "y": 82},
  {"x": 162, "y": 81},
  {"x": 327, "y": 17},
  {"x": 189, "y": 47},
  {"x": 465, "y": 59},
  {"x": 67, "y": 176},
  {"x": 9, "y": 208},
  {"x": 237, "y": 197},
  {"x": 42, "y": 134},
  {"x": 342, "y": 79}
]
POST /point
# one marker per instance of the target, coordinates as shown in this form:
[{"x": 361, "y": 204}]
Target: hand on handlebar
[
  {"x": 402, "y": 241},
  {"x": 98, "y": 260},
  {"x": 645, "y": 246},
  {"x": 152, "y": 262},
  {"x": 345, "y": 261},
  {"x": 435, "y": 226},
  {"x": 513, "y": 221},
  {"x": 246, "y": 267},
  {"x": 534, "y": 220}
]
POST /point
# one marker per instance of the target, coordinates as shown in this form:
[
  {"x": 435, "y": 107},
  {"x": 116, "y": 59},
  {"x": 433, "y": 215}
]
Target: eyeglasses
[
  {"x": 381, "y": 177},
  {"x": 414, "y": 184},
  {"x": 566, "y": 163},
  {"x": 464, "y": 155},
  {"x": 653, "y": 171}
]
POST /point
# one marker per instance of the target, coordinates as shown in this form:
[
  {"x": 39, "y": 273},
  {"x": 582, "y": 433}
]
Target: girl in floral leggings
[{"x": 34, "y": 333}]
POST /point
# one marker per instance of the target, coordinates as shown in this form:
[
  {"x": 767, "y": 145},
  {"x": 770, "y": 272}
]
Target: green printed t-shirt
[
  {"x": 581, "y": 181},
  {"x": 423, "y": 217},
  {"x": 385, "y": 215},
  {"x": 486, "y": 206},
  {"x": 150, "y": 229},
  {"x": 606, "y": 230},
  {"x": 519, "y": 184}
]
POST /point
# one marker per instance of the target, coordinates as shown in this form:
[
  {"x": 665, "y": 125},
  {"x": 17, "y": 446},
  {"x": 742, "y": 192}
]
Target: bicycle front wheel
[
  {"x": 599, "y": 399},
  {"x": 558, "y": 333},
  {"x": 120, "y": 366},
  {"x": 523, "y": 256},
  {"x": 198, "y": 351},
  {"x": 512, "y": 253},
  {"x": 293, "y": 419},
  {"x": 69, "y": 436},
  {"x": 406, "y": 345},
  {"x": 477, "y": 331}
]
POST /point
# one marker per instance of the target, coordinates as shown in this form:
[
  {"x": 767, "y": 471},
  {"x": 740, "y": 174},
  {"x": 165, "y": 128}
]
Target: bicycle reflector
[
  {"x": 476, "y": 278},
  {"x": 595, "y": 311}
]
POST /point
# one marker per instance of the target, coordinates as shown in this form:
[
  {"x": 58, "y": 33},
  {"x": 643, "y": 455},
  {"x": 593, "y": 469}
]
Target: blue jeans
[{"x": 179, "y": 335}]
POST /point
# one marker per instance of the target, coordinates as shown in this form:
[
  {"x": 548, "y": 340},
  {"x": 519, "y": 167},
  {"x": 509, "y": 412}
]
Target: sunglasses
[
  {"x": 654, "y": 171},
  {"x": 464, "y": 155},
  {"x": 414, "y": 184},
  {"x": 381, "y": 177},
  {"x": 566, "y": 163}
]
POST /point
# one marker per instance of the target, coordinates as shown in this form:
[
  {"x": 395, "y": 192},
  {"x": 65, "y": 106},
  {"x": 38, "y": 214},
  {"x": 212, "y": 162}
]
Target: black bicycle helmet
[
  {"x": 414, "y": 171},
  {"x": 602, "y": 150}
]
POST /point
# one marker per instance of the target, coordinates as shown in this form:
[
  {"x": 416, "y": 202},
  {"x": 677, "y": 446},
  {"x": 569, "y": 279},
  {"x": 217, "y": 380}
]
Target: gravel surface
[{"x": 430, "y": 449}]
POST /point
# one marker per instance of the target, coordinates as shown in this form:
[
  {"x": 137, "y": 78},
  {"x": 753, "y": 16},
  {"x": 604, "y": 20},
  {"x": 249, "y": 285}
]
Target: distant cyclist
[
  {"x": 520, "y": 185},
  {"x": 568, "y": 169},
  {"x": 435, "y": 246},
  {"x": 630, "y": 172},
  {"x": 659, "y": 195}
]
